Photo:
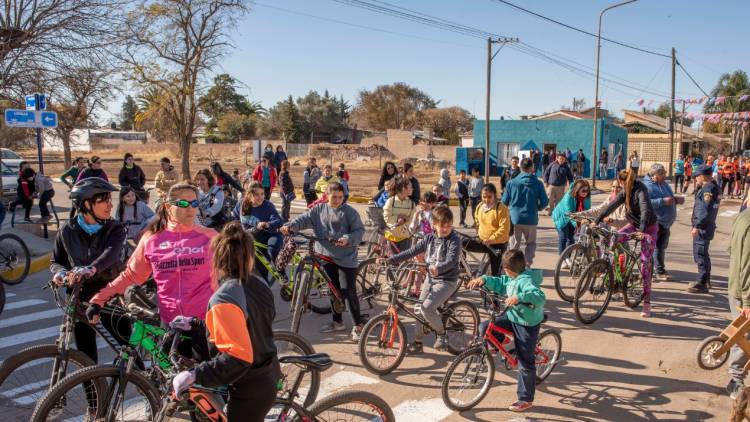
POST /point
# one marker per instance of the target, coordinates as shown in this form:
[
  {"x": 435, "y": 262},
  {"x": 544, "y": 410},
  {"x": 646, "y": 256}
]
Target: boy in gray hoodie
[
  {"x": 441, "y": 251},
  {"x": 445, "y": 182}
]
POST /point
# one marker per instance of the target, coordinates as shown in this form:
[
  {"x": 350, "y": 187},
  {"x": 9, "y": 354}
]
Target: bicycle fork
[{"x": 391, "y": 331}]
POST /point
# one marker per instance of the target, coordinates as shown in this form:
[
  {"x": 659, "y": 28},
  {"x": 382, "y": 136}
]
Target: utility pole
[
  {"x": 502, "y": 41},
  {"x": 672, "y": 116}
]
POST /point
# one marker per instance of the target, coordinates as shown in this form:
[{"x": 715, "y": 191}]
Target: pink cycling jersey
[{"x": 180, "y": 260}]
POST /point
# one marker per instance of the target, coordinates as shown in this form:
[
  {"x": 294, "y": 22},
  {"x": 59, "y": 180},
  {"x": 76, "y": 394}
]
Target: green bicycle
[{"x": 617, "y": 269}]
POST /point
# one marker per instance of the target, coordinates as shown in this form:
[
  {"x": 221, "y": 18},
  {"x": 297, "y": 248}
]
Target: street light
[
  {"x": 596, "y": 95},
  {"x": 502, "y": 41}
]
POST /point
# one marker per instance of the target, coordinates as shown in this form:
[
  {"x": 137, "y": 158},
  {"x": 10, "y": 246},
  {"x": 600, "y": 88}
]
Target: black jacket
[
  {"x": 509, "y": 174},
  {"x": 285, "y": 181},
  {"x": 640, "y": 214},
  {"x": 229, "y": 180},
  {"x": 442, "y": 252},
  {"x": 75, "y": 248},
  {"x": 133, "y": 177}
]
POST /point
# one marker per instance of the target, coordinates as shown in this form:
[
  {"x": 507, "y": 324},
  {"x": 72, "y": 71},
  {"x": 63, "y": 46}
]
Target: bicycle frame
[{"x": 614, "y": 247}]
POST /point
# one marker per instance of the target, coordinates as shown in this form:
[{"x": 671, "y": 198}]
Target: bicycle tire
[
  {"x": 307, "y": 349},
  {"x": 98, "y": 376},
  {"x": 587, "y": 282},
  {"x": 372, "y": 326},
  {"x": 544, "y": 373},
  {"x": 24, "y": 254},
  {"x": 369, "y": 287},
  {"x": 319, "y": 284},
  {"x": 476, "y": 354},
  {"x": 30, "y": 354},
  {"x": 633, "y": 289},
  {"x": 450, "y": 312},
  {"x": 577, "y": 251},
  {"x": 704, "y": 353},
  {"x": 301, "y": 282},
  {"x": 372, "y": 401},
  {"x": 2, "y": 298}
]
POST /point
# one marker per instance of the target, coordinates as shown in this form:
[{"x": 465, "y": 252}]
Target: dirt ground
[{"x": 364, "y": 176}]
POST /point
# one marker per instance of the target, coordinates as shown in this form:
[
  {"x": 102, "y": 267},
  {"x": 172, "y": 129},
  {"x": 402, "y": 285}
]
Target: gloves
[
  {"x": 182, "y": 323},
  {"x": 183, "y": 381},
  {"x": 93, "y": 311}
]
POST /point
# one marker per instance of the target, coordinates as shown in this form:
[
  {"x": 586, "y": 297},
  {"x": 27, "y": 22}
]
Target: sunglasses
[
  {"x": 182, "y": 203},
  {"x": 584, "y": 191}
]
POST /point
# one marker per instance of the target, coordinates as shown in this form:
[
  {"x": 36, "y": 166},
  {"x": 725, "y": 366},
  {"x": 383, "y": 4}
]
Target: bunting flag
[
  {"x": 640, "y": 102},
  {"x": 744, "y": 98},
  {"x": 720, "y": 100}
]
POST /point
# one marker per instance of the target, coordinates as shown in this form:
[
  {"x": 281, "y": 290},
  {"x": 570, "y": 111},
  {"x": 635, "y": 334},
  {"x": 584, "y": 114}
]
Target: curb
[{"x": 37, "y": 264}]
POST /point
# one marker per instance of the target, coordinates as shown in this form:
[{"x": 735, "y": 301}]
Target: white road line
[
  {"x": 32, "y": 317},
  {"x": 427, "y": 410},
  {"x": 341, "y": 380},
  {"x": 9, "y": 294},
  {"x": 729, "y": 213},
  {"x": 28, "y": 337},
  {"x": 23, "y": 303},
  {"x": 24, "y": 389}
]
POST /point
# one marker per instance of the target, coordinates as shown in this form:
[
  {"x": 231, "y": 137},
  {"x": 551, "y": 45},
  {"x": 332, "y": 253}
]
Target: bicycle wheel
[
  {"x": 468, "y": 379},
  {"x": 25, "y": 377},
  {"x": 548, "y": 348},
  {"x": 351, "y": 406},
  {"x": 299, "y": 297},
  {"x": 320, "y": 295},
  {"x": 382, "y": 345},
  {"x": 461, "y": 322},
  {"x": 593, "y": 291},
  {"x": 97, "y": 392},
  {"x": 633, "y": 290},
  {"x": 577, "y": 259},
  {"x": 706, "y": 350},
  {"x": 370, "y": 278},
  {"x": 2, "y": 298},
  {"x": 290, "y": 344},
  {"x": 15, "y": 259}
]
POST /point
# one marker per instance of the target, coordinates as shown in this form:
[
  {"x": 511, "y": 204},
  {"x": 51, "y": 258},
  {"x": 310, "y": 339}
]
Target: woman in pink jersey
[{"x": 178, "y": 254}]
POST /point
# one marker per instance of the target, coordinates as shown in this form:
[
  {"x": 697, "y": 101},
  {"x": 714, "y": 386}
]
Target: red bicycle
[{"x": 470, "y": 376}]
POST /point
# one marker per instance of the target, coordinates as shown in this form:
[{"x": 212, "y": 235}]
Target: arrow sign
[
  {"x": 20, "y": 118},
  {"x": 48, "y": 118}
]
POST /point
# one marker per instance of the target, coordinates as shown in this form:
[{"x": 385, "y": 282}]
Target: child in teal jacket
[
  {"x": 526, "y": 302},
  {"x": 577, "y": 199}
]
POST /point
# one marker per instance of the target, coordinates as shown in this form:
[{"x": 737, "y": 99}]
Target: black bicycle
[{"x": 15, "y": 259}]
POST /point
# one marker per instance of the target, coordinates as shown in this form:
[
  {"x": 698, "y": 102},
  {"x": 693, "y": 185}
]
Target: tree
[
  {"x": 129, "y": 110},
  {"x": 319, "y": 114},
  {"x": 170, "y": 46},
  {"x": 292, "y": 121},
  {"x": 391, "y": 106},
  {"x": 235, "y": 126},
  {"x": 223, "y": 97},
  {"x": 732, "y": 86},
  {"x": 665, "y": 110},
  {"x": 153, "y": 116},
  {"x": 578, "y": 105},
  {"x": 449, "y": 122}
]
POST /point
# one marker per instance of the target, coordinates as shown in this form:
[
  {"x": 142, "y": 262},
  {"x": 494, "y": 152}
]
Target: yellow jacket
[
  {"x": 321, "y": 186},
  {"x": 164, "y": 180},
  {"x": 493, "y": 225}
]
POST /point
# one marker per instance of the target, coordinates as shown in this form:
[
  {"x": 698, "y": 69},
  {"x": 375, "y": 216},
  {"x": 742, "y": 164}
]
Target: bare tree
[{"x": 170, "y": 45}]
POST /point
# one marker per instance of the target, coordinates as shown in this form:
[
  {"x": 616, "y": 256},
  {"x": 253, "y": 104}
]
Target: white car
[
  {"x": 11, "y": 159},
  {"x": 10, "y": 183}
]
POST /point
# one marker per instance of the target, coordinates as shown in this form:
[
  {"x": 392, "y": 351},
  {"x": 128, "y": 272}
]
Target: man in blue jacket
[
  {"x": 557, "y": 177},
  {"x": 664, "y": 204},
  {"x": 525, "y": 197}
]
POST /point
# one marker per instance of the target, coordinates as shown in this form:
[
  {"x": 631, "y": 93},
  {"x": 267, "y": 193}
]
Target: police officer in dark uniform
[{"x": 705, "y": 210}]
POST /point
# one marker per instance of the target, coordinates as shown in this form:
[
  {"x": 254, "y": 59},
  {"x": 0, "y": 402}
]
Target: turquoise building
[{"x": 510, "y": 138}]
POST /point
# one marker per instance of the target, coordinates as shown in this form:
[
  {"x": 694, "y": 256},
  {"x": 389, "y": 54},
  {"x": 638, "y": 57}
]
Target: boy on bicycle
[
  {"x": 526, "y": 302},
  {"x": 441, "y": 250}
]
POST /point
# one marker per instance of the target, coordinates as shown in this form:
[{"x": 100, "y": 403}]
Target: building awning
[{"x": 528, "y": 146}]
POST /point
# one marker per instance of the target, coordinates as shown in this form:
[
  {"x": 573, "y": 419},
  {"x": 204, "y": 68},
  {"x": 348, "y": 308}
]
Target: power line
[
  {"x": 691, "y": 78},
  {"x": 582, "y": 31}
]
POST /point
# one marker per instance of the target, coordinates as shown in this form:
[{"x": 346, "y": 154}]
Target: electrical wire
[
  {"x": 691, "y": 78},
  {"x": 582, "y": 31}
]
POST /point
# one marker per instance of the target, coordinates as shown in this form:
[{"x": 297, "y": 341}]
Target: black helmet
[{"x": 87, "y": 189}]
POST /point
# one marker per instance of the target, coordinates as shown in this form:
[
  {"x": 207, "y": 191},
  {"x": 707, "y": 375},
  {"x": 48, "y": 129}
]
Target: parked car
[
  {"x": 10, "y": 183},
  {"x": 11, "y": 159}
]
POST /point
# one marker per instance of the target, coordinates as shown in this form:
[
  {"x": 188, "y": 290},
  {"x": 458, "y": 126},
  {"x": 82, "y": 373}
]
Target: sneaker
[
  {"x": 44, "y": 220},
  {"x": 356, "y": 333},
  {"x": 441, "y": 343},
  {"x": 734, "y": 388},
  {"x": 697, "y": 287},
  {"x": 520, "y": 406},
  {"x": 415, "y": 348},
  {"x": 566, "y": 264},
  {"x": 646, "y": 312},
  {"x": 28, "y": 220},
  {"x": 333, "y": 327},
  {"x": 662, "y": 277}
]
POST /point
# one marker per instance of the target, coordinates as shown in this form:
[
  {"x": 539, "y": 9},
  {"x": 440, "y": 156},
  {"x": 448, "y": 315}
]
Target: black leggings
[
  {"x": 252, "y": 397},
  {"x": 496, "y": 258},
  {"x": 85, "y": 336},
  {"x": 349, "y": 275}
]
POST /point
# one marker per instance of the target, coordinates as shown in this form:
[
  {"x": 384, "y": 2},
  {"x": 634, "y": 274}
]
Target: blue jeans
[
  {"x": 565, "y": 237},
  {"x": 525, "y": 339}
]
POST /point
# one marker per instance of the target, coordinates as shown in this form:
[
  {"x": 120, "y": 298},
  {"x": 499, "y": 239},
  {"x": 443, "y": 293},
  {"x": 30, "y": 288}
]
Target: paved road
[{"x": 622, "y": 368}]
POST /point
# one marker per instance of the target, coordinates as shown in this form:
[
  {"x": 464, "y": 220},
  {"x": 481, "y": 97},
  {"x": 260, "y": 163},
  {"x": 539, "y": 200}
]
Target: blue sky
[{"x": 277, "y": 53}]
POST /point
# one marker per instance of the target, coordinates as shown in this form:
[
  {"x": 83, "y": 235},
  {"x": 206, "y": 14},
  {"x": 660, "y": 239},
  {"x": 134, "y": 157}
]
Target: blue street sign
[
  {"x": 31, "y": 102},
  {"x": 21, "y": 118},
  {"x": 42, "y": 101},
  {"x": 48, "y": 118}
]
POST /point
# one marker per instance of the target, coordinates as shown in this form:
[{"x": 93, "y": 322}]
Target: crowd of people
[{"x": 197, "y": 246}]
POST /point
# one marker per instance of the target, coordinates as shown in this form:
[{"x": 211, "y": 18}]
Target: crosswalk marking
[
  {"x": 341, "y": 380},
  {"x": 9, "y": 294},
  {"x": 28, "y": 337},
  {"x": 427, "y": 410},
  {"x": 23, "y": 303},
  {"x": 32, "y": 317}
]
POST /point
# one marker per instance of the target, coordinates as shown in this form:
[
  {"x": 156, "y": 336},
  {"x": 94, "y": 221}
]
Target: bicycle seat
[
  {"x": 316, "y": 362},
  {"x": 545, "y": 318}
]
